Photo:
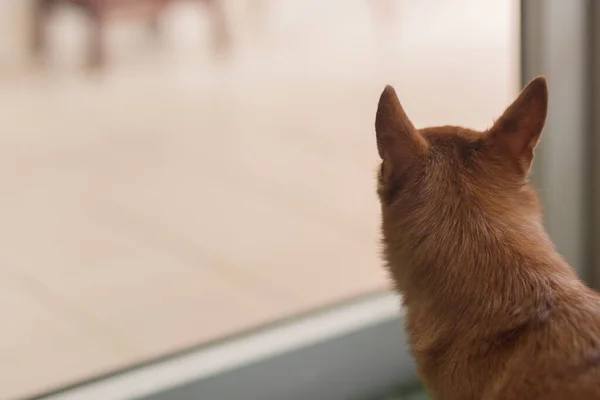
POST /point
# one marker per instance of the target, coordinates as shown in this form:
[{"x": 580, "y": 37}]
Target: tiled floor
[{"x": 175, "y": 200}]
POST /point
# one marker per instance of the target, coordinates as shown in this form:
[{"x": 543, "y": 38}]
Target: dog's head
[{"x": 447, "y": 192}]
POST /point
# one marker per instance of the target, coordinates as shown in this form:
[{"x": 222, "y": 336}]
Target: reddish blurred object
[
  {"x": 100, "y": 11},
  {"x": 384, "y": 11}
]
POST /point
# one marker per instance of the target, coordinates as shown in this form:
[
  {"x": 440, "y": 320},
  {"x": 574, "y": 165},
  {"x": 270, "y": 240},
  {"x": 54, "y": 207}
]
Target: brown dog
[{"x": 493, "y": 311}]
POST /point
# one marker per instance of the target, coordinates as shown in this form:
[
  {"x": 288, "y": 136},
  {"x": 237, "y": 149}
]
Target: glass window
[{"x": 179, "y": 172}]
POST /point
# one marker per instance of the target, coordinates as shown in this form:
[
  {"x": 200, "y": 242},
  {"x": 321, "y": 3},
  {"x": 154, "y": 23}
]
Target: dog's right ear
[
  {"x": 398, "y": 142},
  {"x": 518, "y": 130}
]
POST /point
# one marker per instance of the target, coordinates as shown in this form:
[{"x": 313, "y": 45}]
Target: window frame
[{"x": 352, "y": 350}]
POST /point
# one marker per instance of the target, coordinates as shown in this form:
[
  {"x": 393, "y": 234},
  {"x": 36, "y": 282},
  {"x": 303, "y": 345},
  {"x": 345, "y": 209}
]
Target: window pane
[{"x": 176, "y": 175}]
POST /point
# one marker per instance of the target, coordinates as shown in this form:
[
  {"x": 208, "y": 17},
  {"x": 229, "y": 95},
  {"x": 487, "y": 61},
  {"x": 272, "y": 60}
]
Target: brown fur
[{"x": 493, "y": 311}]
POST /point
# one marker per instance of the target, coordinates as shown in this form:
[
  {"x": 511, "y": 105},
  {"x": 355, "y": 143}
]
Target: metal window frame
[
  {"x": 556, "y": 41},
  {"x": 593, "y": 171},
  {"x": 353, "y": 350}
]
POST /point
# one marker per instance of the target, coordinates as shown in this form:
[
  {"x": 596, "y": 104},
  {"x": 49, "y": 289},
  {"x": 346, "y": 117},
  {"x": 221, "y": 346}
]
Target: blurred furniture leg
[
  {"x": 96, "y": 10},
  {"x": 154, "y": 23},
  {"x": 41, "y": 10},
  {"x": 220, "y": 31}
]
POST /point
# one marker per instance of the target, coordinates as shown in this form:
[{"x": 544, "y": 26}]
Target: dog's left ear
[
  {"x": 517, "y": 131},
  {"x": 398, "y": 141}
]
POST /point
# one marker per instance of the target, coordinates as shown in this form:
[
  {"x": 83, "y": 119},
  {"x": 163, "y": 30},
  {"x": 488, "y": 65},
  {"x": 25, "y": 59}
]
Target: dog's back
[{"x": 557, "y": 359}]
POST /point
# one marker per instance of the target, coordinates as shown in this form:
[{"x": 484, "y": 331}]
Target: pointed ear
[
  {"x": 517, "y": 131},
  {"x": 398, "y": 142}
]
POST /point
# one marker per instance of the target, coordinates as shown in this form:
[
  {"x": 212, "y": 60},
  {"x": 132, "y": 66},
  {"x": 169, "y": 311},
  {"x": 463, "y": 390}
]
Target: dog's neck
[
  {"x": 482, "y": 268},
  {"x": 476, "y": 287}
]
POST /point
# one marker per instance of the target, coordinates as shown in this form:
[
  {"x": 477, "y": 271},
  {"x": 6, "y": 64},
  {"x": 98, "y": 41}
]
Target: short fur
[{"x": 493, "y": 311}]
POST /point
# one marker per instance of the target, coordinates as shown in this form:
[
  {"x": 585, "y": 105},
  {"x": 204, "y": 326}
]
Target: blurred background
[{"x": 178, "y": 172}]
